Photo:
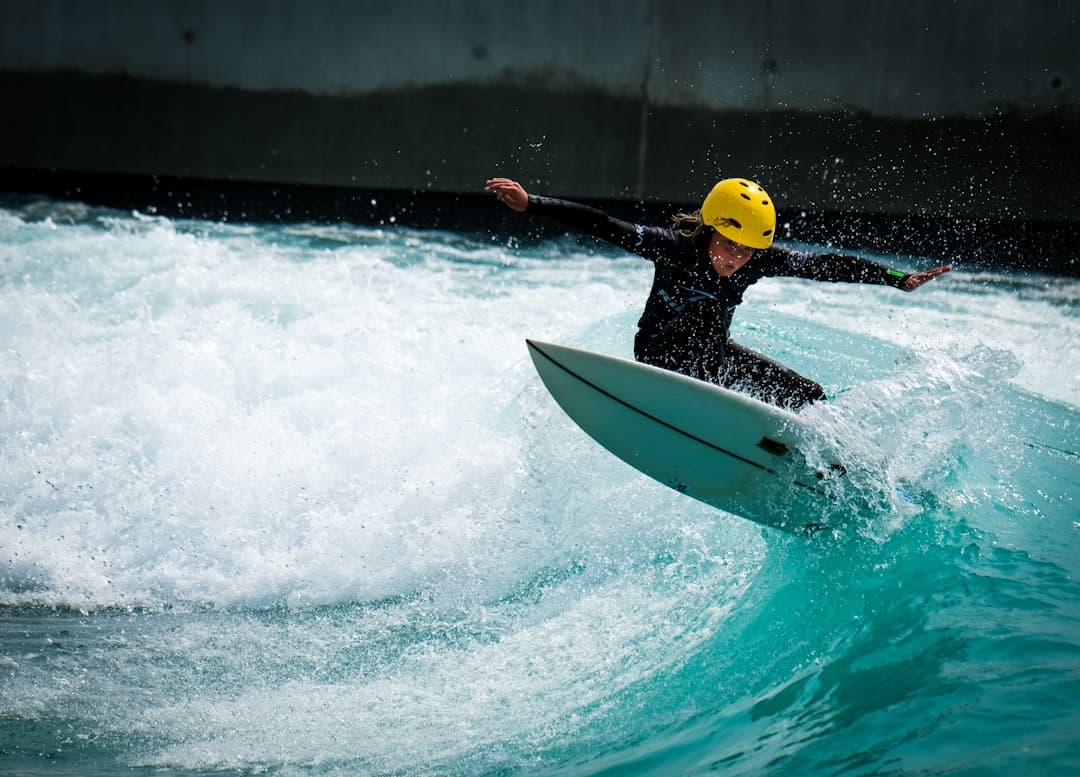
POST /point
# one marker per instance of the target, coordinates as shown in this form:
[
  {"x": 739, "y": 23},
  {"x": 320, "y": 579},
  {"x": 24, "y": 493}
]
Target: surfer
[{"x": 704, "y": 263}]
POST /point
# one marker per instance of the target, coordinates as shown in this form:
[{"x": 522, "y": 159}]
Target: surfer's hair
[{"x": 689, "y": 224}]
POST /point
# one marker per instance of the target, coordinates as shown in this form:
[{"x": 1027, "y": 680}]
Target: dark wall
[{"x": 935, "y": 110}]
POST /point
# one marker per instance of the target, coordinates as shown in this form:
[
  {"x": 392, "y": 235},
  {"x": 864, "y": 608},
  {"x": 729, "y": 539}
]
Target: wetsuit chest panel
[{"x": 689, "y": 295}]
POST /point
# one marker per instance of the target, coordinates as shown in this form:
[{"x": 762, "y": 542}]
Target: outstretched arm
[
  {"x": 915, "y": 280},
  {"x": 649, "y": 242},
  {"x": 845, "y": 268}
]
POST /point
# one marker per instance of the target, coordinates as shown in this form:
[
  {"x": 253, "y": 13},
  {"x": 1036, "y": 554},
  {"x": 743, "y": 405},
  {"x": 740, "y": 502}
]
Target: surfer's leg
[
  {"x": 749, "y": 371},
  {"x": 683, "y": 360}
]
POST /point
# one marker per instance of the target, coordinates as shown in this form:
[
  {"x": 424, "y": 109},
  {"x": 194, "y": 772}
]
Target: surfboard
[{"x": 718, "y": 446}]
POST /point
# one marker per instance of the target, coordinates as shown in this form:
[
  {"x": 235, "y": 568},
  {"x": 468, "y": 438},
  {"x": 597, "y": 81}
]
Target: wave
[{"x": 292, "y": 500}]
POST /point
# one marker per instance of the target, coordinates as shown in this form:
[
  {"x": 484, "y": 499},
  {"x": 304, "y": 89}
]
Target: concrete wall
[{"x": 964, "y": 109}]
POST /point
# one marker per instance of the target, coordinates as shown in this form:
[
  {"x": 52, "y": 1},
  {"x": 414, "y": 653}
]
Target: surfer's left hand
[{"x": 915, "y": 280}]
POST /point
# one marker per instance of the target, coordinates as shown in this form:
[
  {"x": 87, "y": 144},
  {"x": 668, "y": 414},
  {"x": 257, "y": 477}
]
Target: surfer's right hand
[{"x": 509, "y": 192}]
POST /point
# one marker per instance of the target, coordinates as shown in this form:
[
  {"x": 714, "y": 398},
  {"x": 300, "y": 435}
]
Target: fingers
[
  {"x": 935, "y": 272},
  {"x": 501, "y": 185},
  {"x": 916, "y": 280},
  {"x": 508, "y": 191},
  {"x": 929, "y": 275}
]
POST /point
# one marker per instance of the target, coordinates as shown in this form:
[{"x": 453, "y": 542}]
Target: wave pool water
[{"x": 290, "y": 500}]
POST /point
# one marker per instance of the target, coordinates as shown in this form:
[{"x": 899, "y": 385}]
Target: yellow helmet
[{"x": 742, "y": 211}]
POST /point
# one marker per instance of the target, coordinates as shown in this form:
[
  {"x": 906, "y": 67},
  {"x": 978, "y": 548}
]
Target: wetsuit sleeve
[
  {"x": 842, "y": 268},
  {"x": 649, "y": 242}
]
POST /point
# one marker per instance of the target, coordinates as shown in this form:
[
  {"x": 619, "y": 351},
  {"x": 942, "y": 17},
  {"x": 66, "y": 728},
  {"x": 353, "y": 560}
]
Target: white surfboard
[{"x": 723, "y": 448}]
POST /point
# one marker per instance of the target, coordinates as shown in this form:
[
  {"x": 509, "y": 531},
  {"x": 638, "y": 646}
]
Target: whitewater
[{"x": 289, "y": 499}]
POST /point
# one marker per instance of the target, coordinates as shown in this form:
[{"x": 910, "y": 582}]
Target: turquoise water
[{"x": 290, "y": 500}]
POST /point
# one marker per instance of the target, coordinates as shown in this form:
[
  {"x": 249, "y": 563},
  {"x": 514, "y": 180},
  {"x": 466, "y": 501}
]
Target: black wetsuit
[{"x": 687, "y": 317}]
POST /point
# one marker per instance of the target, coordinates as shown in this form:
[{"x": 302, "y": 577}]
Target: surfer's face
[{"x": 728, "y": 256}]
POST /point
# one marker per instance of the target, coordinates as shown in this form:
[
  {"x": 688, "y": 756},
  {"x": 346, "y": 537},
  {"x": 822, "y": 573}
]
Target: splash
[{"x": 292, "y": 500}]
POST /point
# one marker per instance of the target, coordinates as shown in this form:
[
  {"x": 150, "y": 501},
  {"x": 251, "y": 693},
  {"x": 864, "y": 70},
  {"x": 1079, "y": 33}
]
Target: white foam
[
  {"x": 201, "y": 414},
  {"x": 233, "y": 417},
  {"x": 1030, "y": 316},
  {"x": 231, "y": 414}
]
